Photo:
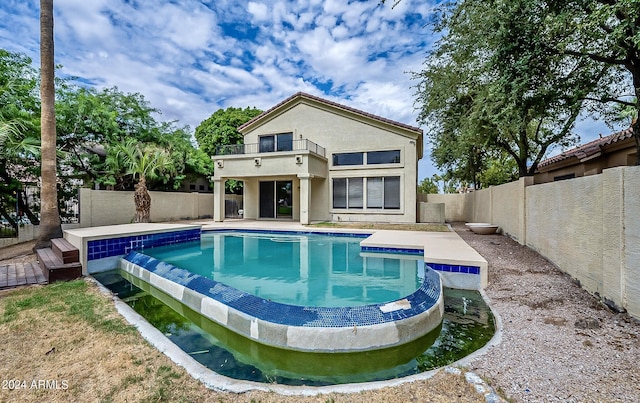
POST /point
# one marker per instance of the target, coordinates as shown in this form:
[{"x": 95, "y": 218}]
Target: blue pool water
[{"x": 298, "y": 269}]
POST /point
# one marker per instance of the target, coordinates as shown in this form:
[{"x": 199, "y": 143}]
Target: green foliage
[
  {"x": 19, "y": 133},
  {"x": 496, "y": 83},
  {"x": 91, "y": 121},
  {"x": 141, "y": 161},
  {"x": 221, "y": 128},
  {"x": 428, "y": 186}
]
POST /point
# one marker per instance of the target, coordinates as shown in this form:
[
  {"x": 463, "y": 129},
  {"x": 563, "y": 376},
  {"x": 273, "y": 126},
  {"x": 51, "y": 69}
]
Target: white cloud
[
  {"x": 258, "y": 10},
  {"x": 191, "y": 58}
]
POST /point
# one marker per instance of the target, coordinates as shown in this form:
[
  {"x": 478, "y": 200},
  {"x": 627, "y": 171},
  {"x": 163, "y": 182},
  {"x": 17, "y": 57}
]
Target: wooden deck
[{"x": 19, "y": 274}]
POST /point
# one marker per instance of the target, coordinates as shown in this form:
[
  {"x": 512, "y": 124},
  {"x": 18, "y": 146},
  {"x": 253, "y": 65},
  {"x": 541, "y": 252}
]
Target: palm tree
[
  {"x": 143, "y": 161},
  {"x": 50, "y": 226}
]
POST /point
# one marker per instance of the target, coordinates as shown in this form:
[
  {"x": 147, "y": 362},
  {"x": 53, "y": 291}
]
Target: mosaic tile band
[{"x": 101, "y": 248}]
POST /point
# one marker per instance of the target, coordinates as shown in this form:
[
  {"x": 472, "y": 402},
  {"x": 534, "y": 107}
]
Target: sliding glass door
[{"x": 276, "y": 199}]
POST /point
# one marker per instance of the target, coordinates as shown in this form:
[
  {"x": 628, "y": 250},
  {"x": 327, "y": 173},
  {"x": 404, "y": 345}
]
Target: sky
[{"x": 190, "y": 58}]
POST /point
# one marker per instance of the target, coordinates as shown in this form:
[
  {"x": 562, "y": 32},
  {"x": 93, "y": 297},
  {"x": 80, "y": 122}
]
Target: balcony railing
[{"x": 256, "y": 148}]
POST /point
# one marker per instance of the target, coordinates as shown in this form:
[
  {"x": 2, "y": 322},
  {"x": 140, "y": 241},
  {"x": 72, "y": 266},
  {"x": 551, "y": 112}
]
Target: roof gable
[{"x": 334, "y": 107}]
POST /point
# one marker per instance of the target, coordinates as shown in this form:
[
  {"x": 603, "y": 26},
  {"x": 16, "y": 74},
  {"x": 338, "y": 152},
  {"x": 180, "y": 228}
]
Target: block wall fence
[
  {"x": 589, "y": 226},
  {"x": 105, "y": 207}
]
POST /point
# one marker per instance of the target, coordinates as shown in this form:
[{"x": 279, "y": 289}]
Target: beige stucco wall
[
  {"x": 456, "y": 206},
  {"x": 564, "y": 223},
  {"x": 630, "y": 273},
  {"x": 336, "y": 132},
  {"x": 589, "y": 227},
  {"x": 104, "y": 207}
]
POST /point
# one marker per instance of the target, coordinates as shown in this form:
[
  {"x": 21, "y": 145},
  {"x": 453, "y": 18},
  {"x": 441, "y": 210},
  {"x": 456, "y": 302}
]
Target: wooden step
[
  {"x": 54, "y": 269},
  {"x": 65, "y": 250}
]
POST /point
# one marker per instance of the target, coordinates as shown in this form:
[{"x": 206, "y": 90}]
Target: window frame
[{"x": 396, "y": 202}]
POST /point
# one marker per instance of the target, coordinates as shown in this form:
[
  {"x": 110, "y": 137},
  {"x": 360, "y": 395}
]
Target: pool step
[{"x": 60, "y": 262}]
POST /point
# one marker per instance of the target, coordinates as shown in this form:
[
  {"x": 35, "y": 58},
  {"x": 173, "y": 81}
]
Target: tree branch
[{"x": 597, "y": 58}]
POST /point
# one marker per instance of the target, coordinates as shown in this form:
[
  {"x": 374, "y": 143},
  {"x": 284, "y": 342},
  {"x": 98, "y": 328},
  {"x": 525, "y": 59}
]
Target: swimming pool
[
  {"x": 401, "y": 313},
  {"x": 298, "y": 269}
]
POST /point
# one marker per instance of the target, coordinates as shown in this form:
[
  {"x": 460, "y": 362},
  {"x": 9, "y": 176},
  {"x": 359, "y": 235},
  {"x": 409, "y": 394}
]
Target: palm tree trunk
[
  {"x": 142, "y": 200},
  {"x": 50, "y": 226}
]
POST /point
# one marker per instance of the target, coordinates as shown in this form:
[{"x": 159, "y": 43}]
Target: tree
[
  {"x": 496, "y": 82},
  {"x": 428, "y": 186},
  {"x": 50, "y": 225},
  {"x": 143, "y": 162},
  {"x": 221, "y": 128},
  {"x": 91, "y": 121},
  {"x": 19, "y": 137},
  {"x": 607, "y": 32}
]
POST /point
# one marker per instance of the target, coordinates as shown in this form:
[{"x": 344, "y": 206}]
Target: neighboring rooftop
[{"x": 589, "y": 150}]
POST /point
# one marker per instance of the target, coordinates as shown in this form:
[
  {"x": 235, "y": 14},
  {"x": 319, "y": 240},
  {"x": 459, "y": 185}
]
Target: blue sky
[{"x": 190, "y": 58}]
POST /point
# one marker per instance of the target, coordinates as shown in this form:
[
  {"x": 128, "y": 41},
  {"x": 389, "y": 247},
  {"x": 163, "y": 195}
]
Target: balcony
[{"x": 261, "y": 148}]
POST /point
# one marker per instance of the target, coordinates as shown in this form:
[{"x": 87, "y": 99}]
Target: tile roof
[
  {"x": 589, "y": 149},
  {"x": 333, "y": 104}
]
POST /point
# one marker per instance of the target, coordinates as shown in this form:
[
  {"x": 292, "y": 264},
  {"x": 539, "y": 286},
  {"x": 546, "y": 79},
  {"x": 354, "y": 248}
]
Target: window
[
  {"x": 347, "y": 193},
  {"x": 373, "y": 158},
  {"x": 276, "y": 142},
  {"x": 348, "y": 159},
  {"x": 383, "y": 157},
  {"x": 392, "y": 192},
  {"x": 381, "y": 193}
]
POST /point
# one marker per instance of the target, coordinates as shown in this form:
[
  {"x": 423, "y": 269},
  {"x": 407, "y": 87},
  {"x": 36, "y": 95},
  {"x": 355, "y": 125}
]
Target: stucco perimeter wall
[
  {"x": 456, "y": 206},
  {"x": 589, "y": 226},
  {"x": 565, "y": 224},
  {"x": 105, "y": 207}
]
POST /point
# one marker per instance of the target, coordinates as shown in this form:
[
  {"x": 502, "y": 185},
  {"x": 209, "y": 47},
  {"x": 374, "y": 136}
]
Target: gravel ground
[{"x": 559, "y": 343}]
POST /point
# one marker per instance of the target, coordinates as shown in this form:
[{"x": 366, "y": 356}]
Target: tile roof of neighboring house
[
  {"x": 333, "y": 104},
  {"x": 592, "y": 148}
]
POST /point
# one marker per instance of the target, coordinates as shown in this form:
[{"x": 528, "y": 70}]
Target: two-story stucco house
[{"x": 310, "y": 159}]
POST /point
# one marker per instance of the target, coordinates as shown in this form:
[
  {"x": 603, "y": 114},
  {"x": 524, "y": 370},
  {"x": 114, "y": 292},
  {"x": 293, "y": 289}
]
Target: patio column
[
  {"x": 305, "y": 198},
  {"x": 218, "y": 199}
]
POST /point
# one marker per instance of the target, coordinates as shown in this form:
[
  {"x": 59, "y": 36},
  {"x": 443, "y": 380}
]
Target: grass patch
[
  {"x": 71, "y": 298},
  {"x": 384, "y": 226}
]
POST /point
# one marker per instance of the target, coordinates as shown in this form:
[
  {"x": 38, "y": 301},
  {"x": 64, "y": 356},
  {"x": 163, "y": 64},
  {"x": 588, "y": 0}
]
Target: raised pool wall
[{"x": 311, "y": 329}]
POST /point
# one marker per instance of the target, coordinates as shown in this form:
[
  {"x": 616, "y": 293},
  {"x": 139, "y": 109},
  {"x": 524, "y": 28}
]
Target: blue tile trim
[
  {"x": 405, "y": 251},
  {"x": 262, "y": 231},
  {"x": 453, "y": 268},
  {"x": 421, "y": 300},
  {"x": 101, "y": 248},
  {"x": 410, "y": 251}
]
